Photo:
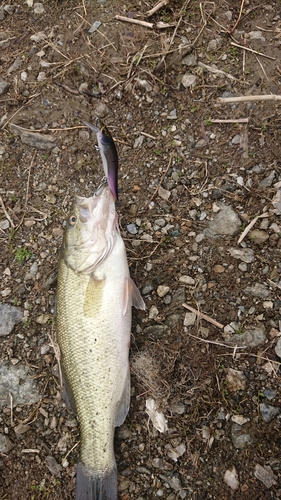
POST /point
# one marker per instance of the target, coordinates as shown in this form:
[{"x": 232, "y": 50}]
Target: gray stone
[
  {"x": 189, "y": 60},
  {"x": 278, "y": 348},
  {"x": 201, "y": 144},
  {"x": 2, "y": 15},
  {"x": 16, "y": 65},
  {"x": 268, "y": 412},
  {"x": 155, "y": 331},
  {"x": 276, "y": 202},
  {"x": 240, "y": 439},
  {"x": 236, "y": 139},
  {"x": 270, "y": 394},
  {"x": 15, "y": 380},
  {"x": 267, "y": 181},
  {"x": 188, "y": 80},
  {"x": 53, "y": 466},
  {"x": 249, "y": 338},
  {"x": 258, "y": 236},
  {"x": 9, "y": 317},
  {"x": 258, "y": 290},
  {"x": 4, "y": 224},
  {"x": 147, "y": 288},
  {"x": 32, "y": 272},
  {"x": 4, "y": 86},
  {"x": 265, "y": 475},
  {"x": 172, "y": 115},
  {"x": 38, "y": 8},
  {"x": 132, "y": 228},
  {"x": 42, "y": 142},
  {"x": 244, "y": 254},
  {"x": 10, "y": 9},
  {"x": 225, "y": 223},
  {"x": 5, "y": 444}
]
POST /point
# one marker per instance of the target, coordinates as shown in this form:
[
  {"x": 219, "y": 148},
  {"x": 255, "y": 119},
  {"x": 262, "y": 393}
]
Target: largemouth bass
[
  {"x": 108, "y": 154},
  {"x": 94, "y": 300}
]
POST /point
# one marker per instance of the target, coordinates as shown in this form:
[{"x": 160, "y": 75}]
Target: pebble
[
  {"x": 187, "y": 280},
  {"x": 278, "y": 348},
  {"x": 147, "y": 288},
  {"x": 162, "y": 290},
  {"x": 268, "y": 412},
  {"x": 269, "y": 394},
  {"x": 31, "y": 275},
  {"x": 9, "y": 317},
  {"x": 155, "y": 331},
  {"x": 21, "y": 429},
  {"x": 6, "y": 444},
  {"x": 138, "y": 141},
  {"x": 4, "y": 86},
  {"x": 231, "y": 478},
  {"x": 249, "y": 338},
  {"x": 256, "y": 35},
  {"x": 42, "y": 142},
  {"x": 189, "y": 60},
  {"x": 10, "y": 9},
  {"x": 189, "y": 319},
  {"x": 188, "y": 80},
  {"x": 218, "y": 269},
  {"x": 214, "y": 44},
  {"x": 239, "y": 438},
  {"x": 201, "y": 144},
  {"x": 14, "y": 380},
  {"x": 164, "y": 193},
  {"x": 265, "y": 475},
  {"x": 245, "y": 254},
  {"x": 153, "y": 312},
  {"x": 236, "y": 139},
  {"x": 132, "y": 228},
  {"x": 172, "y": 115},
  {"x": 16, "y": 65},
  {"x": 267, "y": 181},
  {"x": 276, "y": 202},
  {"x": 258, "y": 236},
  {"x": 53, "y": 466},
  {"x": 236, "y": 380},
  {"x": 224, "y": 224},
  {"x": 258, "y": 290},
  {"x": 38, "y": 8}
]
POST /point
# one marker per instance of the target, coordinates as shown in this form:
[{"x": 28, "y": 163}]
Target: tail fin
[{"x": 92, "y": 487}]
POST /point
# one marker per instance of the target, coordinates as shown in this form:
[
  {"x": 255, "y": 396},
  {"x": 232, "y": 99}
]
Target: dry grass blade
[
  {"x": 28, "y": 178},
  {"x": 214, "y": 342},
  {"x": 6, "y": 213},
  {"x": 252, "y": 50},
  {"x": 230, "y": 120}
]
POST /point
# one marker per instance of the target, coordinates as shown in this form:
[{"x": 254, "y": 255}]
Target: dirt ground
[{"x": 182, "y": 153}]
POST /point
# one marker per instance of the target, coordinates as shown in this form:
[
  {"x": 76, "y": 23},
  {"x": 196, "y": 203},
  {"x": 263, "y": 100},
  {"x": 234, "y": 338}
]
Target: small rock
[
  {"x": 258, "y": 236},
  {"x": 231, "y": 478},
  {"x": 267, "y": 181},
  {"x": 256, "y": 35},
  {"x": 161, "y": 464},
  {"x": 236, "y": 139},
  {"x": 9, "y": 317},
  {"x": 277, "y": 348},
  {"x": 153, "y": 312},
  {"x": 178, "y": 408},
  {"x": 245, "y": 254},
  {"x": 218, "y": 269},
  {"x": 249, "y": 338},
  {"x": 138, "y": 141},
  {"x": 5, "y": 444},
  {"x": 177, "y": 452},
  {"x": 236, "y": 380},
  {"x": 268, "y": 412},
  {"x": 15, "y": 380},
  {"x": 213, "y": 45},
  {"x": 144, "y": 84},
  {"x": 270, "y": 394},
  {"x": 38, "y": 8},
  {"x": 94, "y": 27},
  {"x": 201, "y": 144},
  {"x": 4, "y": 224},
  {"x": 41, "y": 76},
  {"x": 53, "y": 466},
  {"x": 155, "y": 331},
  {"x": 21, "y": 429},
  {"x": 31, "y": 275},
  {"x": 132, "y": 228},
  {"x": 189, "y": 319},
  {"x": 172, "y": 115},
  {"x": 239, "y": 438},
  {"x": 226, "y": 223},
  {"x": 147, "y": 289},
  {"x": 162, "y": 290},
  {"x": 164, "y": 193},
  {"x": 43, "y": 142},
  {"x": 187, "y": 280},
  {"x": 276, "y": 202},
  {"x": 239, "y": 419},
  {"x": 265, "y": 475},
  {"x": 188, "y": 80},
  {"x": 10, "y": 9},
  {"x": 258, "y": 290},
  {"x": 16, "y": 65},
  {"x": 4, "y": 86},
  {"x": 189, "y": 60}
]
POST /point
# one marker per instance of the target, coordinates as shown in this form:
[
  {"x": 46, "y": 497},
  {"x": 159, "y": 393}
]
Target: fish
[
  {"x": 108, "y": 152},
  {"x": 95, "y": 295}
]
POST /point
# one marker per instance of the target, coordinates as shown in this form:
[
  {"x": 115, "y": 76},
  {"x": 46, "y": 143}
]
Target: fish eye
[{"x": 72, "y": 220}]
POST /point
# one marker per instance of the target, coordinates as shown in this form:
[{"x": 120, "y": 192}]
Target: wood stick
[
  {"x": 156, "y": 7},
  {"x": 231, "y": 120},
  {"x": 6, "y": 213},
  {"x": 134, "y": 21},
  {"x": 217, "y": 343},
  {"x": 203, "y": 316},
  {"x": 252, "y": 50},
  {"x": 250, "y": 98}
]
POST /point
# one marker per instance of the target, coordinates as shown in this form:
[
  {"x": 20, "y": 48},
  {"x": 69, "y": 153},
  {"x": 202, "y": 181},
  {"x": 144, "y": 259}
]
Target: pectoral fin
[
  {"x": 131, "y": 295},
  {"x": 67, "y": 392},
  {"x": 124, "y": 403},
  {"x": 93, "y": 296}
]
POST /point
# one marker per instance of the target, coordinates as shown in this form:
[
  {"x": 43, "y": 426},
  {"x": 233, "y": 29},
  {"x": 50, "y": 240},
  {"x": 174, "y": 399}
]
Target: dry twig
[
  {"x": 134, "y": 21},
  {"x": 250, "y": 98},
  {"x": 252, "y": 50},
  {"x": 235, "y": 347},
  {"x": 249, "y": 227},
  {"x": 230, "y": 120},
  {"x": 6, "y": 213},
  {"x": 156, "y": 7},
  {"x": 203, "y": 316},
  {"x": 28, "y": 178}
]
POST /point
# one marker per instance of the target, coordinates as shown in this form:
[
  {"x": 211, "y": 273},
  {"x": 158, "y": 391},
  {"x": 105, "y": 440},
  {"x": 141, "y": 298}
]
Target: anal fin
[{"x": 131, "y": 291}]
